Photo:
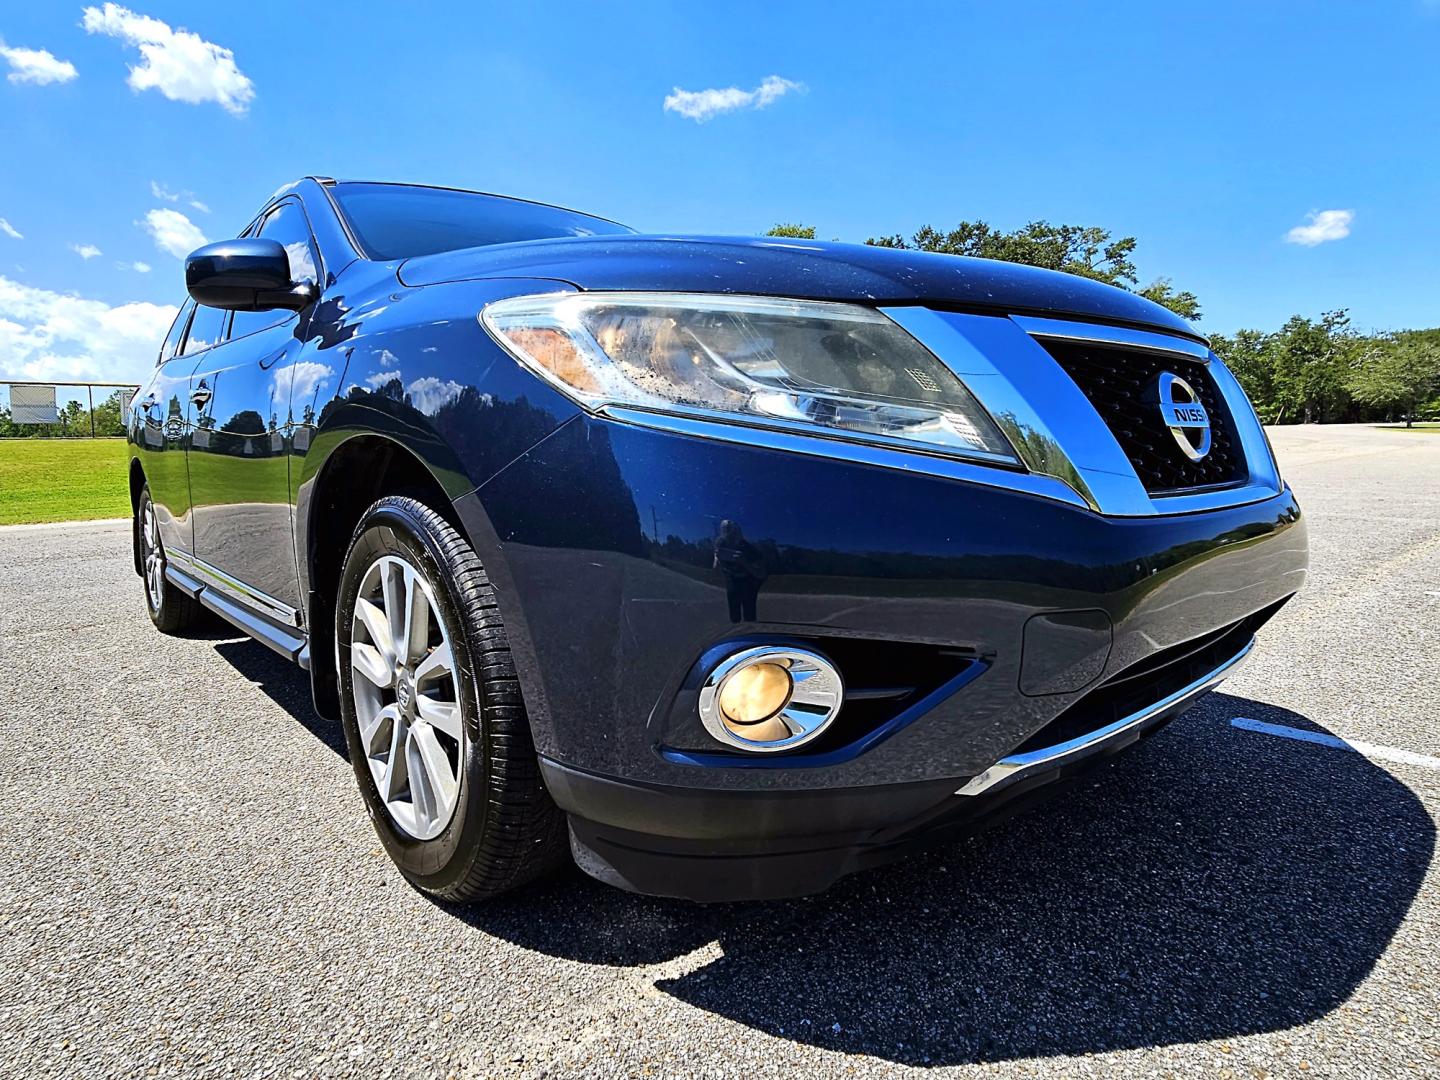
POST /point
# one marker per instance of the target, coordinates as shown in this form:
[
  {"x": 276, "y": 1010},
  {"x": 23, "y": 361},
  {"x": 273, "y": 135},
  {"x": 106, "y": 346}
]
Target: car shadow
[
  {"x": 283, "y": 683},
  {"x": 1212, "y": 883},
  {"x": 1209, "y": 884}
]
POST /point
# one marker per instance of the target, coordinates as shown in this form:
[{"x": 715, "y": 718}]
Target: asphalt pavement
[{"x": 188, "y": 881}]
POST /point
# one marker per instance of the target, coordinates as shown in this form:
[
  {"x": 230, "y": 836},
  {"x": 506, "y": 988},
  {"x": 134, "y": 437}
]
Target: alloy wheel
[
  {"x": 407, "y": 704},
  {"x": 153, "y": 555}
]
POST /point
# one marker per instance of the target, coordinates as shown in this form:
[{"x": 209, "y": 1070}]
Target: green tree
[
  {"x": 1312, "y": 360},
  {"x": 795, "y": 232},
  {"x": 1400, "y": 372},
  {"x": 110, "y": 414},
  {"x": 1250, "y": 357},
  {"x": 1087, "y": 251},
  {"x": 74, "y": 419},
  {"x": 1184, "y": 303},
  {"x": 1073, "y": 249}
]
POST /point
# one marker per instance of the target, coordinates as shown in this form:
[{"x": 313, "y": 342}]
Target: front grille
[{"x": 1121, "y": 385}]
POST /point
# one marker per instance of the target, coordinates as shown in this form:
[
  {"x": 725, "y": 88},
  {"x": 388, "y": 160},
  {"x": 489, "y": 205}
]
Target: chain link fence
[{"x": 64, "y": 410}]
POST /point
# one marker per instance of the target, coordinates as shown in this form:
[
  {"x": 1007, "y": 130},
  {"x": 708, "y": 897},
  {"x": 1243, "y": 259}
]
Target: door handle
[{"x": 200, "y": 396}]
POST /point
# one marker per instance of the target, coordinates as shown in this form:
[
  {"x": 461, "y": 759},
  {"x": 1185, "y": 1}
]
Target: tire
[
  {"x": 463, "y": 813},
  {"x": 172, "y": 611}
]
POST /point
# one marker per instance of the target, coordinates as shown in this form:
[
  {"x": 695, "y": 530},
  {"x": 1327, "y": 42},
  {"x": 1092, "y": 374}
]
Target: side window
[
  {"x": 207, "y": 328},
  {"x": 177, "y": 329},
  {"x": 287, "y": 225}
]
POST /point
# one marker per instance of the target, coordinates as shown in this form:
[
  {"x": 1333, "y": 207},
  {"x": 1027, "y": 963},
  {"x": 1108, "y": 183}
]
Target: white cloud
[
  {"x": 301, "y": 382},
  {"x": 173, "y": 232},
  {"x": 310, "y": 377},
  {"x": 701, "y": 105},
  {"x": 160, "y": 191},
  {"x": 429, "y": 393},
  {"x": 36, "y": 66},
  {"x": 47, "y": 335},
  {"x": 138, "y": 267},
  {"x": 1322, "y": 225},
  {"x": 86, "y": 251},
  {"x": 380, "y": 378},
  {"x": 10, "y": 230},
  {"x": 180, "y": 64}
]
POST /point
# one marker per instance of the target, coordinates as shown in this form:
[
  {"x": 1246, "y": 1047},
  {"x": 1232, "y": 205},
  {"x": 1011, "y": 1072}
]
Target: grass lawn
[
  {"x": 62, "y": 480},
  {"x": 237, "y": 479},
  {"x": 1421, "y": 428}
]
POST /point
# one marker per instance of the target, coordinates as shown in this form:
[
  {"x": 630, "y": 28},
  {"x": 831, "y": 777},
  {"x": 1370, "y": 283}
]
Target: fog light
[
  {"x": 755, "y": 693},
  {"x": 770, "y": 698}
]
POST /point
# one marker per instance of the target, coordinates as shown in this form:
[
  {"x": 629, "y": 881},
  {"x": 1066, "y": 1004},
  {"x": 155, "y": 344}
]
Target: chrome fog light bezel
[{"x": 817, "y": 694}]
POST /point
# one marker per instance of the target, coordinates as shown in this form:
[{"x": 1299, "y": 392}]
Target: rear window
[{"x": 397, "y": 221}]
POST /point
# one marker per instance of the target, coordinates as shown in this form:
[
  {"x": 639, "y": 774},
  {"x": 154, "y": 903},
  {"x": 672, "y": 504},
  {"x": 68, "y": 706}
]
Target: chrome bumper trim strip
[{"x": 1010, "y": 769}]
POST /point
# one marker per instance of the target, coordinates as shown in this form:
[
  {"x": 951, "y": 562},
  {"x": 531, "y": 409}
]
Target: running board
[{"x": 288, "y": 643}]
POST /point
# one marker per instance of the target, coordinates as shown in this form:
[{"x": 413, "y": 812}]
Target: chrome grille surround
[{"x": 1057, "y": 430}]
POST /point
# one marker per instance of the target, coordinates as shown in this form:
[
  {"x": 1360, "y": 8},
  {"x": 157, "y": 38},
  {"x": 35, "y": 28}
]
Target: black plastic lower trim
[{"x": 716, "y": 846}]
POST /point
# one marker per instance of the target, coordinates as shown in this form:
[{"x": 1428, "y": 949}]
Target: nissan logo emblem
[{"x": 1182, "y": 412}]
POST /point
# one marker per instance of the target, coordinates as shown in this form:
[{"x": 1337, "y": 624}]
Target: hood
[{"x": 801, "y": 269}]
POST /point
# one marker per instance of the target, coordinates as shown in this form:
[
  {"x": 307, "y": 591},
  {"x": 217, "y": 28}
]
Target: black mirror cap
[{"x": 244, "y": 275}]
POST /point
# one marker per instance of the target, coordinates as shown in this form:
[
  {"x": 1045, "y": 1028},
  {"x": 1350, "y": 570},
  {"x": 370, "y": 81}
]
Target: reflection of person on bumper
[{"x": 740, "y": 562}]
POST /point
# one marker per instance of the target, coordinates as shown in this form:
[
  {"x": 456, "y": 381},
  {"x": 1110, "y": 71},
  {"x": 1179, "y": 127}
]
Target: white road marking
[{"x": 1369, "y": 750}]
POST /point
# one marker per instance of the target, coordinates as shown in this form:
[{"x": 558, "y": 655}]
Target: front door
[{"x": 240, "y": 449}]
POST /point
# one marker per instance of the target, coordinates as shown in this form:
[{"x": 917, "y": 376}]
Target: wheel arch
[
  {"x": 137, "y": 485},
  {"x": 357, "y": 469}
]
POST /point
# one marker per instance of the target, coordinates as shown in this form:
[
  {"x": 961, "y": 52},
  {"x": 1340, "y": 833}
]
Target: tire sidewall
[
  {"x": 393, "y": 528},
  {"x": 159, "y": 616}
]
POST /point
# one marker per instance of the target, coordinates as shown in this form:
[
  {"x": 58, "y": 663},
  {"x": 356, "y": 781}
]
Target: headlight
[{"x": 841, "y": 368}]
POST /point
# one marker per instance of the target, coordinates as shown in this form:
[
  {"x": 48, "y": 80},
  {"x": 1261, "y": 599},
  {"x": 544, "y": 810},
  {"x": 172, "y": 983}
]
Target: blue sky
[{"x": 1209, "y": 131}]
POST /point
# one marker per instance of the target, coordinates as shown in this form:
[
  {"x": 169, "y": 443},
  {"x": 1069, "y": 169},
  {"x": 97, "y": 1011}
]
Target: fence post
[{"x": 91, "y": 391}]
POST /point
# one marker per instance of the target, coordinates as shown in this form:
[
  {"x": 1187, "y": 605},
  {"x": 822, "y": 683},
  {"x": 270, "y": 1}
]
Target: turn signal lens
[{"x": 754, "y": 694}]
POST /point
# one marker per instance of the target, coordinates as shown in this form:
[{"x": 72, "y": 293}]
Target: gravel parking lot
[{"x": 190, "y": 883}]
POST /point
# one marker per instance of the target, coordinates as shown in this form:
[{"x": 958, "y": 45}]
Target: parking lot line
[{"x": 1369, "y": 750}]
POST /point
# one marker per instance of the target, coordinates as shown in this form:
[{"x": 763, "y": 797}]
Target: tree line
[{"x": 1311, "y": 370}]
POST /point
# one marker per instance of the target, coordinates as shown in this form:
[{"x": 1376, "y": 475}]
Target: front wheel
[{"x": 433, "y": 717}]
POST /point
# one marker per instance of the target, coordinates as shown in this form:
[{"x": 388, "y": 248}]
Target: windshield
[{"x": 398, "y": 221}]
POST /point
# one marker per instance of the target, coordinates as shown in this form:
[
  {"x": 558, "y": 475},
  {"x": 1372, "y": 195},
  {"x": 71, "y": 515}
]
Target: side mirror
[{"x": 245, "y": 275}]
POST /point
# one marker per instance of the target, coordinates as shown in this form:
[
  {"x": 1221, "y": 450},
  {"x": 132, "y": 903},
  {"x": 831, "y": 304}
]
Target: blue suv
[{"x": 726, "y": 566}]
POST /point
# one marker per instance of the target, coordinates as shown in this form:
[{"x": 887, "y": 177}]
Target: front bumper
[
  {"x": 726, "y": 846},
  {"x": 601, "y": 543}
]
